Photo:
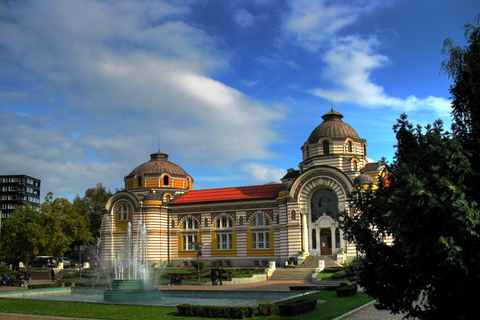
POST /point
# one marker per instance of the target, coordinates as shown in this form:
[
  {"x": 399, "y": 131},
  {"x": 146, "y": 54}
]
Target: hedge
[
  {"x": 297, "y": 306},
  {"x": 89, "y": 284},
  {"x": 347, "y": 291},
  {"x": 266, "y": 309},
  {"x": 45, "y": 285},
  {"x": 188, "y": 310}
]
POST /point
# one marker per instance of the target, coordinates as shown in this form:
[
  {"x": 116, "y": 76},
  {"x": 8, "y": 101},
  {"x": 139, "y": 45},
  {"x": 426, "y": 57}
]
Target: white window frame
[
  {"x": 188, "y": 242},
  {"x": 224, "y": 222},
  {"x": 261, "y": 240},
  {"x": 260, "y": 220},
  {"x": 224, "y": 241},
  {"x": 190, "y": 224}
]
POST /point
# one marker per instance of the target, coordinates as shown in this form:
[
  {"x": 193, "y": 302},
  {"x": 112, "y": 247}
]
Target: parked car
[
  {"x": 75, "y": 264},
  {"x": 44, "y": 261},
  {"x": 66, "y": 261}
]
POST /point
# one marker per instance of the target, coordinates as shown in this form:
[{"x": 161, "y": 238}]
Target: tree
[
  {"x": 463, "y": 67},
  {"x": 21, "y": 235},
  {"x": 63, "y": 226},
  {"x": 91, "y": 205},
  {"x": 428, "y": 206}
]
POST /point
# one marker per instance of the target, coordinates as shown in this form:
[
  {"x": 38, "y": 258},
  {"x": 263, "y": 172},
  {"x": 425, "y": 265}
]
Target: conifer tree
[{"x": 428, "y": 205}]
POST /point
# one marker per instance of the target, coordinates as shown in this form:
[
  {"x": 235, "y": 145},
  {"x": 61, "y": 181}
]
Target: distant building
[
  {"x": 248, "y": 225},
  {"x": 16, "y": 191}
]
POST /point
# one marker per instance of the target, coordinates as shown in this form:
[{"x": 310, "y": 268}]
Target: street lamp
[
  {"x": 80, "y": 248},
  {"x": 198, "y": 246}
]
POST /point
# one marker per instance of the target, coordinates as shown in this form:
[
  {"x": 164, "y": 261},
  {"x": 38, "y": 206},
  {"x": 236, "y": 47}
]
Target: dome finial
[{"x": 331, "y": 102}]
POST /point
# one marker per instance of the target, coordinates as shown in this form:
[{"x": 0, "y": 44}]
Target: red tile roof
[{"x": 267, "y": 191}]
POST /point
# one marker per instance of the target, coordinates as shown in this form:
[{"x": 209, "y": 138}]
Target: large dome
[
  {"x": 333, "y": 127},
  {"x": 159, "y": 164}
]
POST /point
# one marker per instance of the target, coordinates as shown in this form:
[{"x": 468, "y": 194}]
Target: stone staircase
[{"x": 286, "y": 274}]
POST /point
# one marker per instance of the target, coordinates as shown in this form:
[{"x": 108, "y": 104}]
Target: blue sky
[{"x": 229, "y": 89}]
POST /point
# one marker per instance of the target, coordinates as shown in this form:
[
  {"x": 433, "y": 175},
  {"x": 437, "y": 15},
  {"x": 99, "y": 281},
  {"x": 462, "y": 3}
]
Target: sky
[{"x": 230, "y": 90}]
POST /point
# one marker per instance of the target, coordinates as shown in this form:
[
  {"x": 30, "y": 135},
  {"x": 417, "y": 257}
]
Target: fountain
[{"x": 132, "y": 281}]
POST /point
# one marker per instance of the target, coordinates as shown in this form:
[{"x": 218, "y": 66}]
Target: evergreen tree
[{"x": 428, "y": 205}]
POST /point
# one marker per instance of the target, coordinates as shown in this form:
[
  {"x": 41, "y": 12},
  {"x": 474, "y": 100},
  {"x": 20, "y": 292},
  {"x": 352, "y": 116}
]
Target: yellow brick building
[{"x": 250, "y": 225}]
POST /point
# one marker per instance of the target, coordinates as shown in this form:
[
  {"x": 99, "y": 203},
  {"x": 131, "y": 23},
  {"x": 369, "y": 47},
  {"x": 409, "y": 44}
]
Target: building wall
[{"x": 16, "y": 191}]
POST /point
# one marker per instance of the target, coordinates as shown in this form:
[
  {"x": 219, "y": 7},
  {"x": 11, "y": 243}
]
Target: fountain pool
[{"x": 167, "y": 297}]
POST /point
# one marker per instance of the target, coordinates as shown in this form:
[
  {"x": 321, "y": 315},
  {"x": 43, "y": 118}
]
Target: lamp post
[
  {"x": 80, "y": 248},
  {"x": 198, "y": 247}
]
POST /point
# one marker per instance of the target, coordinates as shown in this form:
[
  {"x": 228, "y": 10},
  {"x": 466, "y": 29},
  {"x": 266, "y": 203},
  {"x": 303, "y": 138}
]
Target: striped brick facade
[{"x": 243, "y": 226}]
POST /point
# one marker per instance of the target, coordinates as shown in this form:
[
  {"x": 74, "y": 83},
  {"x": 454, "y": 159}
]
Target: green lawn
[{"x": 330, "y": 309}]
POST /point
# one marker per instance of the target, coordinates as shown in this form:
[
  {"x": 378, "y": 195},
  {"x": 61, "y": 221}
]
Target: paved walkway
[{"x": 366, "y": 312}]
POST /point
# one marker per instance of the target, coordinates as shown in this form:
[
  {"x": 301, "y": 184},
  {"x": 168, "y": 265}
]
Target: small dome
[
  {"x": 333, "y": 127},
  {"x": 363, "y": 180},
  {"x": 151, "y": 196},
  {"x": 159, "y": 164}
]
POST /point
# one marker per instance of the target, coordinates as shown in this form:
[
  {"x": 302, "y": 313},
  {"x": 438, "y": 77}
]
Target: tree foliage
[
  {"x": 463, "y": 67},
  {"x": 91, "y": 205},
  {"x": 54, "y": 230},
  {"x": 21, "y": 233},
  {"x": 428, "y": 206},
  {"x": 63, "y": 226}
]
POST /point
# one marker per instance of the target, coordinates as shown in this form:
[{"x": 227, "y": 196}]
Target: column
[
  {"x": 304, "y": 232},
  {"x": 334, "y": 241}
]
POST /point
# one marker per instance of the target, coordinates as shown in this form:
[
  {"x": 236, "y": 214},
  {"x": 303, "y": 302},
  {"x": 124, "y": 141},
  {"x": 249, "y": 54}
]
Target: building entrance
[{"x": 325, "y": 242}]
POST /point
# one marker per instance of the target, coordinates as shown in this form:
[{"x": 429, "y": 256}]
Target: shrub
[
  {"x": 297, "y": 306},
  {"x": 339, "y": 274},
  {"x": 266, "y": 308},
  {"x": 68, "y": 283},
  {"x": 188, "y": 310},
  {"x": 347, "y": 291},
  {"x": 201, "y": 265},
  {"x": 43, "y": 286}
]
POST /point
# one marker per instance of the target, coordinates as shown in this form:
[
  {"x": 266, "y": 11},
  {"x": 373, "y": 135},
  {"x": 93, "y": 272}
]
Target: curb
[{"x": 355, "y": 310}]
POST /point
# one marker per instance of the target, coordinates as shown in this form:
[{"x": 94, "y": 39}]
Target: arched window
[
  {"x": 365, "y": 150},
  {"x": 241, "y": 221},
  {"x": 206, "y": 222},
  {"x": 326, "y": 147},
  {"x": 324, "y": 201},
  {"x": 307, "y": 151},
  {"x": 355, "y": 165},
  {"x": 123, "y": 210},
  {"x": 139, "y": 181},
  {"x": 293, "y": 215},
  {"x": 350, "y": 146},
  {"x": 166, "y": 181},
  {"x": 260, "y": 220},
  {"x": 224, "y": 222},
  {"x": 190, "y": 223},
  {"x": 168, "y": 198},
  {"x": 173, "y": 224}
]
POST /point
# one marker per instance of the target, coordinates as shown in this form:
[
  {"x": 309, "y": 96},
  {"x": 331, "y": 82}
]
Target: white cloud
[
  {"x": 102, "y": 81},
  {"x": 312, "y": 22},
  {"x": 350, "y": 63},
  {"x": 261, "y": 173},
  {"x": 244, "y": 18}
]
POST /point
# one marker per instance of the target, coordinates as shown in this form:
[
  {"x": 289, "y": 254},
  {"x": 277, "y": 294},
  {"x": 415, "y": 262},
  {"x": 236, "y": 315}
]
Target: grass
[{"x": 330, "y": 309}]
